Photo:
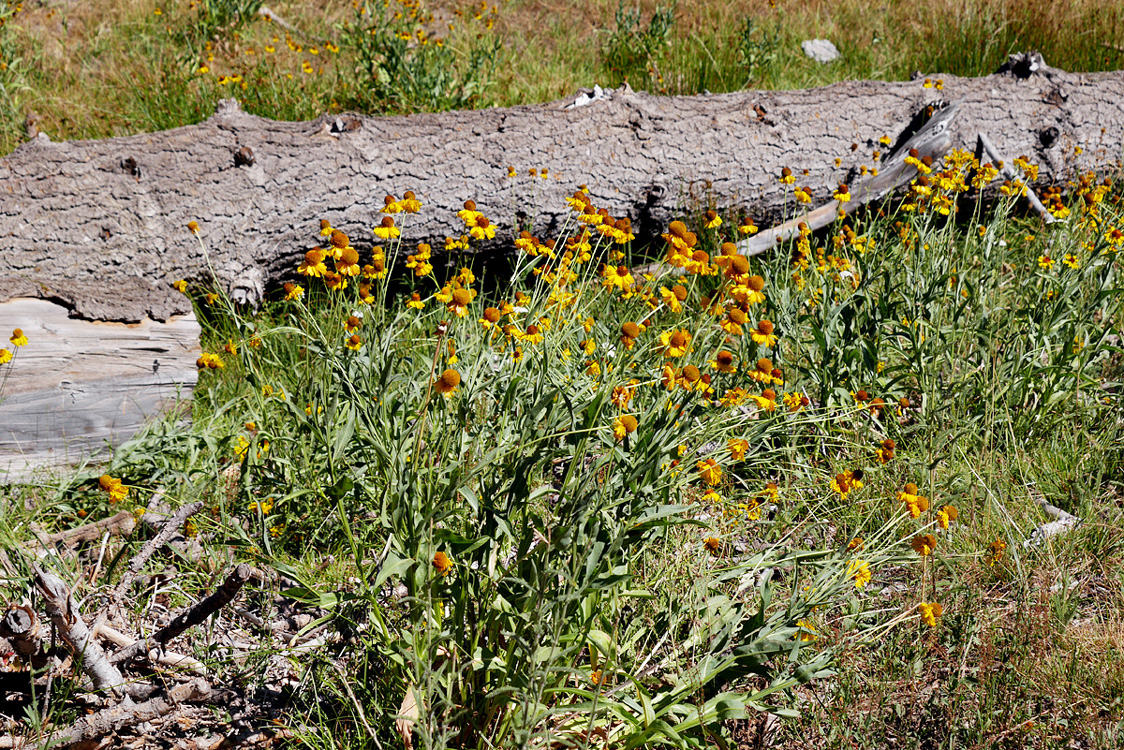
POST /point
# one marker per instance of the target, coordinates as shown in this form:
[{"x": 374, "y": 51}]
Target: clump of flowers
[
  {"x": 209, "y": 361},
  {"x": 847, "y": 482}
]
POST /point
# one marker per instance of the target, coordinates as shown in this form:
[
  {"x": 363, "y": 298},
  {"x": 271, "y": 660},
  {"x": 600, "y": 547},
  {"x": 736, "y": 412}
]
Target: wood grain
[{"x": 79, "y": 386}]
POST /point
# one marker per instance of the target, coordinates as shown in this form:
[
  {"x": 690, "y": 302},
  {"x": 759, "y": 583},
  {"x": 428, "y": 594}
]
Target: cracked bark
[{"x": 100, "y": 226}]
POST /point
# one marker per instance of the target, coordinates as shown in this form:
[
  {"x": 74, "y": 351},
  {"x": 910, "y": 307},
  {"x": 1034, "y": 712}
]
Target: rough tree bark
[{"x": 101, "y": 226}]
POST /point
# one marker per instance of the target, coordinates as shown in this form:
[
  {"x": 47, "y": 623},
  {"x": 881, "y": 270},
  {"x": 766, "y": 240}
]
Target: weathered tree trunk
[{"x": 101, "y": 226}]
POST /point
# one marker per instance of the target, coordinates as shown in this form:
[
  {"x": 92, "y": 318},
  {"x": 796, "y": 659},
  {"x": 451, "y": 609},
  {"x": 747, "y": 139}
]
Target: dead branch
[
  {"x": 931, "y": 140},
  {"x": 120, "y": 524},
  {"x": 189, "y": 617},
  {"x": 986, "y": 146},
  {"x": 117, "y": 717},
  {"x": 170, "y": 527},
  {"x": 1063, "y": 522},
  {"x": 63, "y": 611}
]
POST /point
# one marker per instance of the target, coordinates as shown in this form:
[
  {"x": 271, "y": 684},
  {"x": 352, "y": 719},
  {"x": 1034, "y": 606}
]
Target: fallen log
[{"x": 101, "y": 226}]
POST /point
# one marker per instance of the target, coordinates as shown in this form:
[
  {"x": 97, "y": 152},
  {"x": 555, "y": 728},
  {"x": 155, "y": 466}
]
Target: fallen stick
[
  {"x": 189, "y": 617},
  {"x": 137, "y": 563},
  {"x": 120, "y": 524},
  {"x": 166, "y": 658},
  {"x": 1063, "y": 522},
  {"x": 116, "y": 718},
  {"x": 63, "y": 611}
]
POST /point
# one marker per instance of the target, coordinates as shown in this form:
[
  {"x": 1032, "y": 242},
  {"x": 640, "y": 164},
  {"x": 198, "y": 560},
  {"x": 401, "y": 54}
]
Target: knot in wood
[{"x": 244, "y": 157}]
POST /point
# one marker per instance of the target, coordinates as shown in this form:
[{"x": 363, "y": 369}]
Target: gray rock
[{"x": 820, "y": 50}]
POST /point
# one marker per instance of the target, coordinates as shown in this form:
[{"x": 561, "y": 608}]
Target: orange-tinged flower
[
  {"x": 930, "y": 613},
  {"x": 208, "y": 361},
  {"x": 313, "y": 264},
  {"x": 709, "y": 471},
  {"x": 448, "y": 382},
  {"x": 947, "y": 515},
  {"x": 859, "y": 570},
  {"x": 763, "y": 334},
  {"x": 348, "y": 262},
  {"x": 738, "y": 447},
  {"x": 491, "y": 317},
  {"x": 459, "y": 301},
  {"x": 846, "y": 482},
  {"x": 995, "y": 551},
  {"x": 712, "y": 545},
  {"x": 410, "y": 203},
  {"x": 18, "y": 338},
  {"x": 623, "y": 425},
  {"x": 924, "y": 544},
  {"x": 117, "y": 492},
  {"x": 386, "y": 230},
  {"x": 914, "y": 502},
  {"x": 763, "y": 373},
  {"x": 5, "y": 356},
  {"x": 442, "y": 564},
  {"x": 767, "y": 401},
  {"x": 724, "y": 361},
  {"x": 675, "y": 343}
]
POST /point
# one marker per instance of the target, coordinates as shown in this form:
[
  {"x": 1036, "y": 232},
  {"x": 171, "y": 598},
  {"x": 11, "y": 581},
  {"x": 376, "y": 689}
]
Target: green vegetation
[
  {"x": 642, "y": 509},
  {"x": 598, "y": 509}
]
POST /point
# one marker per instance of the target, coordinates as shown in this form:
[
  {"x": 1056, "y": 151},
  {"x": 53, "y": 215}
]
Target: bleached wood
[{"x": 79, "y": 386}]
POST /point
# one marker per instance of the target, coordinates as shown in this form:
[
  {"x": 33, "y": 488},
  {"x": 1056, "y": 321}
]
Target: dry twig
[
  {"x": 189, "y": 617},
  {"x": 117, "y": 717}
]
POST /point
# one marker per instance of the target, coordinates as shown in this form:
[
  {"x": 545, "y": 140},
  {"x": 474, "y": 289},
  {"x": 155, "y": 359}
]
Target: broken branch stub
[{"x": 63, "y": 611}]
